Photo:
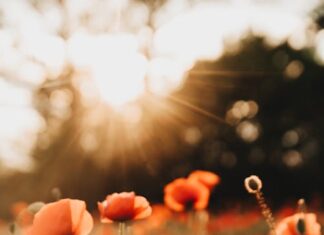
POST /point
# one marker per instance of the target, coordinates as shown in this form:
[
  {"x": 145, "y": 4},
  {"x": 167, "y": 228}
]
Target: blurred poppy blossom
[
  {"x": 184, "y": 194},
  {"x": 299, "y": 224},
  {"x": 124, "y": 206},
  {"x": 160, "y": 214},
  {"x": 63, "y": 217},
  {"x": 207, "y": 178},
  {"x": 17, "y": 207},
  {"x": 22, "y": 215}
]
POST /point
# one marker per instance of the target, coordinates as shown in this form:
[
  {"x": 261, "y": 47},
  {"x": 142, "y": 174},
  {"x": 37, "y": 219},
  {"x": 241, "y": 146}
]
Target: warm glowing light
[
  {"x": 241, "y": 109},
  {"x": 292, "y": 158},
  {"x": 248, "y": 131},
  {"x": 165, "y": 75},
  {"x": 265, "y": 23},
  {"x": 115, "y": 64},
  {"x": 36, "y": 45},
  {"x": 132, "y": 113},
  {"x": 18, "y": 120},
  {"x": 119, "y": 69},
  {"x": 190, "y": 35},
  {"x": 294, "y": 69},
  {"x": 192, "y": 135},
  {"x": 290, "y": 138},
  {"x": 187, "y": 38},
  {"x": 298, "y": 40},
  {"x": 61, "y": 100},
  {"x": 320, "y": 46},
  {"x": 123, "y": 80},
  {"x": 37, "y": 42},
  {"x": 88, "y": 142}
]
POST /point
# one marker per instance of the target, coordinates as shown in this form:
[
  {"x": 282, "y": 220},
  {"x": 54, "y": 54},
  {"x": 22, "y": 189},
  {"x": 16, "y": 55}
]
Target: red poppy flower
[
  {"x": 207, "y": 178},
  {"x": 184, "y": 193},
  {"x": 123, "y": 207},
  {"x": 299, "y": 224},
  {"x": 61, "y": 218}
]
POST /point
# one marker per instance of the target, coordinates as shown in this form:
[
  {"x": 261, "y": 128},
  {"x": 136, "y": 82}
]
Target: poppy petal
[
  {"x": 207, "y": 178},
  {"x": 53, "y": 219},
  {"x": 173, "y": 204},
  {"x": 203, "y": 198},
  {"x": 119, "y": 207},
  {"x": 86, "y": 224},
  {"x": 184, "y": 193},
  {"x": 144, "y": 214},
  {"x": 142, "y": 208},
  {"x": 60, "y": 218},
  {"x": 288, "y": 226},
  {"x": 77, "y": 209}
]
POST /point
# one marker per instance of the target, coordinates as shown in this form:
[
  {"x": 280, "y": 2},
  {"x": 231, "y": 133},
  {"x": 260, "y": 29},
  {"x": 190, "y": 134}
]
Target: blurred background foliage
[{"x": 254, "y": 108}]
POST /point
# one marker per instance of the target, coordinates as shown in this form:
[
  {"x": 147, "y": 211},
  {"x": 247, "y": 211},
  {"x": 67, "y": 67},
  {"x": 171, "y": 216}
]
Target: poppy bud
[
  {"x": 253, "y": 184},
  {"x": 300, "y": 226}
]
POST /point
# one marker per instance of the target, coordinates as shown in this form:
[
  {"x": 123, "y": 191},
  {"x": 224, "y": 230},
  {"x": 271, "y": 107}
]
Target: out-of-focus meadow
[{"x": 107, "y": 96}]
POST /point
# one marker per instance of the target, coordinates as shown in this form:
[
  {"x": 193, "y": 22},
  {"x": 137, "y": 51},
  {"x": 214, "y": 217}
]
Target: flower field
[
  {"x": 161, "y": 117},
  {"x": 185, "y": 211}
]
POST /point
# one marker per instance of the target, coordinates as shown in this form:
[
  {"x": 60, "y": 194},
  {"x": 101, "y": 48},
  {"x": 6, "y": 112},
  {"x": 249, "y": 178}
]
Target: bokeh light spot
[
  {"x": 290, "y": 138},
  {"x": 294, "y": 69},
  {"x": 248, "y": 131},
  {"x": 192, "y": 135},
  {"x": 292, "y": 159}
]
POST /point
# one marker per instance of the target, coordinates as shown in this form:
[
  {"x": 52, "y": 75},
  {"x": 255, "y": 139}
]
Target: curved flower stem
[
  {"x": 122, "y": 228},
  {"x": 266, "y": 212},
  {"x": 253, "y": 185}
]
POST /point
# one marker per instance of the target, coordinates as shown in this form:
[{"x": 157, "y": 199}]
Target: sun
[
  {"x": 122, "y": 79},
  {"x": 115, "y": 64},
  {"x": 120, "y": 73}
]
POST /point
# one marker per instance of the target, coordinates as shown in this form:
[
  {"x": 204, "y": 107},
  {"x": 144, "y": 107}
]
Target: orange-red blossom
[
  {"x": 207, "y": 178},
  {"x": 63, "y": 217},
  {"x": 192, "y": 192},
  {"x": 183, "y": 193},
  {"x": 121, "y": 207},
  {"x": 299, "y": 224}
]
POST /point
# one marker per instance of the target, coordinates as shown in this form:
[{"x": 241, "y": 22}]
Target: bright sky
[{"x": 110, "y": 46}]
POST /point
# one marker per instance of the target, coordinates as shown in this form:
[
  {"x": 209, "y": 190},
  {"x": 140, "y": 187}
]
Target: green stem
[
  {"x": 202, "y": 218},
  {"x": 197, "y": 222},
  {"x": 191, "y": 220},
  {"x": 122, "y": 228}
]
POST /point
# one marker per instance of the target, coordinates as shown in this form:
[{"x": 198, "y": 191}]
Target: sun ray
[
  {"x": 197, "y": 109},
  {"x": 220, "y": 74}
]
